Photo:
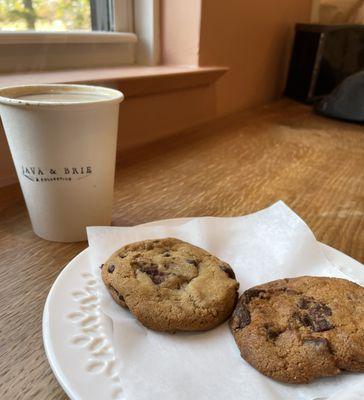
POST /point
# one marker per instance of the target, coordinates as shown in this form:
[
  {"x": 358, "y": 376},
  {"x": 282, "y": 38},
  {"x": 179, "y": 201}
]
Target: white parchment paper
[{"x": 270, "y": 244}]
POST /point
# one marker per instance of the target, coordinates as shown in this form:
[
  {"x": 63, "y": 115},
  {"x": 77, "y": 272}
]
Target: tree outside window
[{"x": 45, "y": 15}]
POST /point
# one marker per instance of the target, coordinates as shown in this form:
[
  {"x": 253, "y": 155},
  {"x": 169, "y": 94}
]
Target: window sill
[
  {"x": 66, "y": 37},
  {"x": 132, "y": 80}
]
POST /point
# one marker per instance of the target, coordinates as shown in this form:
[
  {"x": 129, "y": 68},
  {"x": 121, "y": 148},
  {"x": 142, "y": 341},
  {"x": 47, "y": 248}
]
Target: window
[
  {"x": 56, "y": 34},
  {"x": 43, "y": 15}
]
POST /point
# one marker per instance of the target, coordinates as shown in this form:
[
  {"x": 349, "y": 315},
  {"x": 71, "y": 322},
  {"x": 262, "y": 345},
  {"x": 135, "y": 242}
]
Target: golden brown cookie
[
  {"x": 171, "y": 285},
  {"x": 296, "y": 330}
]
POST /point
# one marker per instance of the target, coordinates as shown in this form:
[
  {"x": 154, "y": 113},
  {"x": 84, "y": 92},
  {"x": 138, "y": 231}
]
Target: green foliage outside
[{"x": 43, "y": 15}]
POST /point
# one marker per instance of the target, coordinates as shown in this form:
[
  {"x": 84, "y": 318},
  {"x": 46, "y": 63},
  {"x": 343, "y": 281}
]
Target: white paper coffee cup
[{"x": 63, "y": 142}]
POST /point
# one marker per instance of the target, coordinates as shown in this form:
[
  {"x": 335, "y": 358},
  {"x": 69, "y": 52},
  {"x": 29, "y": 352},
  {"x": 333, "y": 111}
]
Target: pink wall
[
  {"x": 251, "y": 38},
  {"x": 144, "y": 119},
  {"x": 180, "y": 28},
  {"x": 340, "y": 11}
]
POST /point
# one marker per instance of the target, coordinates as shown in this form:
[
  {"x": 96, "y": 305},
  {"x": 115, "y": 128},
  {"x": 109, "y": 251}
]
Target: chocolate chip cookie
[
  {"x": 296, "y": 330},
  {"x": 171, "y": 285}
]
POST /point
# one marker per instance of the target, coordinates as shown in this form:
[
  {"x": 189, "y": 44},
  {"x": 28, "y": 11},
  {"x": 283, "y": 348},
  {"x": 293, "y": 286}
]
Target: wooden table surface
[{"x": 233, "y": 166}]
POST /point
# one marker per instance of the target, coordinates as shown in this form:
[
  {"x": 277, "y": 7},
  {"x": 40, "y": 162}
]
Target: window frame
[
  {"x": 135, "y": 40},
  {"x": 39, "y": 37}
]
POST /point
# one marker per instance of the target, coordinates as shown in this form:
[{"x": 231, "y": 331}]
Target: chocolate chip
[
  {"x": 272, "y": 332},
  {"x": 319, "y": 342},
  {"x": 151, "y": 270},
  {"x": 319, "y": 309},
  {"x": 252, "y": 293},
  {"x": 139, "y": 264},
  {"x": 193, "y": 262},
  {"x": 266, "y": 294},
  {"x": 306, "y": 320},
  {"x": 322, "y": 309},
  {"x": 111, "y": 268},
  {"x": 228, "y": 270},
  {"x": 101, "y": 266},
  {"x": 297, "y": 316},
  {"x": 303, "y": 303},
  {"x": 157, "y": 279},
  {"x": 315, "y": 315},
  {"x": 272, "y": 335},
  {"x": 241, "y": 317},
  {"x": 120, "y": 297},
  {"x": 321, "y": 325},
  {"x": 315, "y": 322}
]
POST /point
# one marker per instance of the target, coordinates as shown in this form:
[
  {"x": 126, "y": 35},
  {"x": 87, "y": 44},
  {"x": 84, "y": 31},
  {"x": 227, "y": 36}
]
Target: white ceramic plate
[{"x": 77, "y": 335}]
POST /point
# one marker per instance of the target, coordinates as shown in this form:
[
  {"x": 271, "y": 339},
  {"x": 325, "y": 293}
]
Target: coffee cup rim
[{"x": 9, "y": 95}]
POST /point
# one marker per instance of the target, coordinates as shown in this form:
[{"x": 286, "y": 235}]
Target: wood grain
[{"x": 234, "y": 166}]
